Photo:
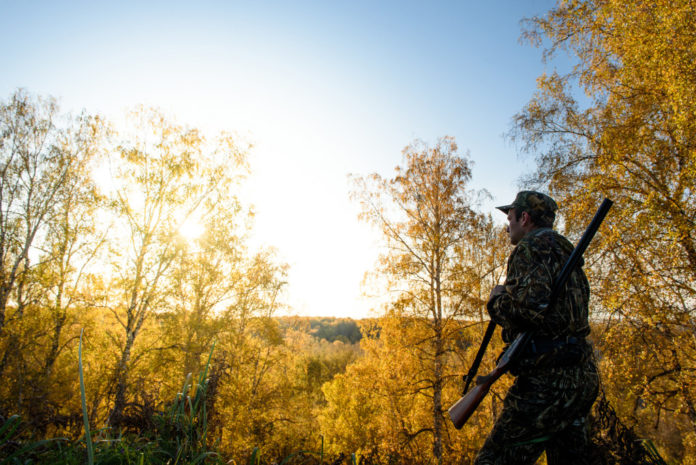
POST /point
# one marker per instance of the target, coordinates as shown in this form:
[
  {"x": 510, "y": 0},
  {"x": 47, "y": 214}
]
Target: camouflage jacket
[{"x": 533, "y": 265}]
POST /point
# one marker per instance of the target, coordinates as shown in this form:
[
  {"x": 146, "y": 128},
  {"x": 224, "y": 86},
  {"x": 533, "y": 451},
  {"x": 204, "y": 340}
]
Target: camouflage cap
[{"x": 535, "y": 203}]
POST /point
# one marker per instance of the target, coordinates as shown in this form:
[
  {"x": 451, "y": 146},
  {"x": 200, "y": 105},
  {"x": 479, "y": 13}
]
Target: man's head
[{"x": 529, "y": 210}]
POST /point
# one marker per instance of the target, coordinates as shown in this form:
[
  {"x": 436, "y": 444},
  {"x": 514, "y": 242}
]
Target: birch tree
[
  {"x": 42, "y": 153},
  {"x": 164, "y": 175},
  {"x": 426, "y": 216}
]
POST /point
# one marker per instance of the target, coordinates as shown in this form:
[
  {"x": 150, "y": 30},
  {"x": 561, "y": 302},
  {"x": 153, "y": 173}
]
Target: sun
[{"x": 191, "y": 230}]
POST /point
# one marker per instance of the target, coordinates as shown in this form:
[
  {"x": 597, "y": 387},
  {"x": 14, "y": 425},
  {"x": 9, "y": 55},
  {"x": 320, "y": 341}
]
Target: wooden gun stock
[{"x": 460, "y": 412}]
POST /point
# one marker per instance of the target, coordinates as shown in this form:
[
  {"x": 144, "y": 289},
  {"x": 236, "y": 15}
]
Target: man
[{"x": 557, "y": 380}]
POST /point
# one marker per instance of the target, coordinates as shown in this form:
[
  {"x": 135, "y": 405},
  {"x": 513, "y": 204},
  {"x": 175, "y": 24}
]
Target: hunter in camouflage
[{"x": 556, "y": 380}]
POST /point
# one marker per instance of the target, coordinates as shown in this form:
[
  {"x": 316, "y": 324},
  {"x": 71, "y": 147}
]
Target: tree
[
  {"x": 165, "y": 173},
  {"x": 43, "y": 156},
  {"x": 373, "y": 410},
  {"x": 631, "y": 138},
  {"x": 426, "y": 217},
  {"x": 59, "y": 288},
  {"x": 70, "y": 246},
  {"x": 221, "y": 292},
  {"x": 37, "y": 155},
  {"x": 208, "y": 278}
]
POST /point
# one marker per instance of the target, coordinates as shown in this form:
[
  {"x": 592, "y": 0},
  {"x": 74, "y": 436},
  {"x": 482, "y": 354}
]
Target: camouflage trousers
[{"x": 544, "y": 411}]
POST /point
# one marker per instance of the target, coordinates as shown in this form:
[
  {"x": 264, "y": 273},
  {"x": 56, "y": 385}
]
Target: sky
[{"x": 321, "y": 89}]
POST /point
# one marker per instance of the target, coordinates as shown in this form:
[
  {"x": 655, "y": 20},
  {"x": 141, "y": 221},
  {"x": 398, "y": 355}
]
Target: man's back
[{"x": 532, "y": 268}]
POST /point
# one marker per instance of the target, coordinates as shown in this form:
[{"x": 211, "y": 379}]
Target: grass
[
  {"x": 85, "y": 416},
  {"x": 179, "y": 435}
]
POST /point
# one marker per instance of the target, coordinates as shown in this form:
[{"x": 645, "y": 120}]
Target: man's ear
[{"x": 525, "y": 219}]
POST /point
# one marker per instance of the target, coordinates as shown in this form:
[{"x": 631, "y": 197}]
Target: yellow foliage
[{"x": 632, "y": 138}]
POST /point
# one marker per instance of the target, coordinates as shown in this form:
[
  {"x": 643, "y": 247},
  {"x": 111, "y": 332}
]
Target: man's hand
[{"x": 495, "y": 293}]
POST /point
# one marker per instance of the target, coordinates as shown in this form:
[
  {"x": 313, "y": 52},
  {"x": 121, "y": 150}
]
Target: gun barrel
[{"x": 579, "y": 250}]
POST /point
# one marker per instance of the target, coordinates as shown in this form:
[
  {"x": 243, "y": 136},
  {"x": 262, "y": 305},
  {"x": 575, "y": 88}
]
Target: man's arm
[{"x": 516, "y": 305}]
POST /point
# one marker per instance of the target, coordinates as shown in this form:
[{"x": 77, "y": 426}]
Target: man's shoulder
[
  {"x": 539, "y": 237},
  {"x": 543, "y": 240}
]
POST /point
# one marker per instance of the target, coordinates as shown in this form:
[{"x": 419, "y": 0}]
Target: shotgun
[{"x": 460, "y": 412}]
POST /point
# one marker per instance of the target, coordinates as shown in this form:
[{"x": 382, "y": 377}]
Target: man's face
[{"x": 516, "y": 228}]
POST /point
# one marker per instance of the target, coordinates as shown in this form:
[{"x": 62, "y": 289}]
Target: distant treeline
[{"x": 331, "y": 329}]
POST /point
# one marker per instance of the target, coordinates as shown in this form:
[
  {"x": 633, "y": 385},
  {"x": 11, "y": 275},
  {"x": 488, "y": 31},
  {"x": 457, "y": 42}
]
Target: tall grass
[
  {"x": 85, "y": 416},
  {"x": 182, "y": 429},
  {"x": 11, "y": 449}
]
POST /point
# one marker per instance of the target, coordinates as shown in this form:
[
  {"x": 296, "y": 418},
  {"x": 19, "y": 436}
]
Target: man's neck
[{"x": 536, "y": 230}]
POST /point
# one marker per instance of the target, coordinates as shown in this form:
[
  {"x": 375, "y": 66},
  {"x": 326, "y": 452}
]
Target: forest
[{"x": 139, "y": 325}]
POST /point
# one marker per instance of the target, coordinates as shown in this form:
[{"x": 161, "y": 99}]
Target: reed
[
  {"x": 85, "y": 416},
  {"x": 181, "y": 431}
]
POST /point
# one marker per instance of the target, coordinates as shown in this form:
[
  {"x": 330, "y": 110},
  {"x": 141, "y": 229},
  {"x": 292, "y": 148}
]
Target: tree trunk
[
  {"x": 121, "y": 382},
  {"x": 53, "y": 353},
  {"x": 437, "y": 385},
  {"x": 60, "y": 317},
  {"x": 437, "y": 402},
  {"x": 3, "y": 306}
]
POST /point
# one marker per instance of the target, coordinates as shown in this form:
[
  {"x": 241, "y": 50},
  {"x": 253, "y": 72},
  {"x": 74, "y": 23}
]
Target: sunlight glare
[{"x": 191, "y": 230}]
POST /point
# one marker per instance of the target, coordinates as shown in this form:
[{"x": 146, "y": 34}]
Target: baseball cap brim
[{"x": 505, "y": 208}]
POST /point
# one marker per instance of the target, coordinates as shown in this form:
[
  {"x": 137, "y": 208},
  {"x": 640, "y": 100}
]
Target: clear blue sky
[{"x": 321, "y": 88}]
